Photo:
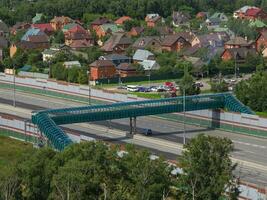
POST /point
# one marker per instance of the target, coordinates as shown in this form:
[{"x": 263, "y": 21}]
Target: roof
[
  {"x": 253, "y": 11},
  {"x": 141, "y": 54},
  {"x": 29, "y": 45},
  {"x": 164, "y": 30},
  {"x": 43, "y": 27},
  {"x": 215, "y": 39},
  {"x": 138, "y": 29},
  {"x": 26, "y": 68},
  {"x": 257, "y": 24},
  {"x": 114, "y": 57},
  {"x": 180, "y": 17},
  {"x": 196, "y": 62},
  {"x": 32, "y": 32},
  {"x": 68, "y": 26},
  {"x": 143, "y": 42},
  {"x": 101, "y": 20},
  {"x": 152, "y": 17},
  {"x": 102, "y": 63},
  {"x": 241, "y": 53},
  {"x": 20, "y": 25},
  {"x": 3, "y": 27},
  {"x": 111, "y": 27},
  {"x": 38, "y": 38},
  {"x": 77, "y": 36},
  {"x": 50, "y": 52},
  {"x": 201, "y": 14},
  {"x": 149, "y": 65},
  {"x": 122, "y": 19},
  {"x": 72, "y": 63},
  {"x": 37, "y": 17},
  {"x": 171, "y": 39},
  {"x": 116, "y": 39},
  {"x": 237, "y": 41},
  {"x": 244, "y": 9},
  {"x": 61, "y": 19},
  {"x": 263, "y": 34},
  {"x": 126, "y": 67},
  {"x": 80, "y": 44}
]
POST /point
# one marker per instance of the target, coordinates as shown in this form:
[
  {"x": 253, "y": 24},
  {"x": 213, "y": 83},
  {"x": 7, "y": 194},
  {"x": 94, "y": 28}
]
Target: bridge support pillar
[
  {"x": 216, "y": 118},
  {"x": 134, "y": 125}
]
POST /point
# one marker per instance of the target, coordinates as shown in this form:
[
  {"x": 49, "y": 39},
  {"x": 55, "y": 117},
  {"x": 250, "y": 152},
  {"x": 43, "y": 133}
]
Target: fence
[{"x": 63, "y": 89}]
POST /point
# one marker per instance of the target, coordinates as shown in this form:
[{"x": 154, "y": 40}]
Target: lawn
[{"x": 11, "y": 150}]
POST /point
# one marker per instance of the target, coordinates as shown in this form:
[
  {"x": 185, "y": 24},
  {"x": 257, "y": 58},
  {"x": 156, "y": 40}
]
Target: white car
[{"x": 132, "y": 88}]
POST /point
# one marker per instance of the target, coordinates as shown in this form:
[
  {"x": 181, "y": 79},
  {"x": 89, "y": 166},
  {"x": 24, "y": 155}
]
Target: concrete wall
[
  {"x": 66, "y": 88},
  {"x": 33, "y": 75}
]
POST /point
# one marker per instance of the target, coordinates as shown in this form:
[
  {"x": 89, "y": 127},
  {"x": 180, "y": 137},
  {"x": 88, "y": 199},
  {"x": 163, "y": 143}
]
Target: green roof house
[
  {"x": 37, "y": 18},
  {"x": 68, "y": 26},
  {"x": 257, "y": 24}
]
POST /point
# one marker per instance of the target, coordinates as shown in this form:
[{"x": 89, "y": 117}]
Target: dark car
[
  {"x": 144, "y": 89},
  {"x": 147, "y": 132}
]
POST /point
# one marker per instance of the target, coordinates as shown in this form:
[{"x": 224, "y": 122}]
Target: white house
[{"x": 70, "y": 64}]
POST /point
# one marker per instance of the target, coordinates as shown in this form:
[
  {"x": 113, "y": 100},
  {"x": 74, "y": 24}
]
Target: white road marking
[{"x": 249, "y": 144}]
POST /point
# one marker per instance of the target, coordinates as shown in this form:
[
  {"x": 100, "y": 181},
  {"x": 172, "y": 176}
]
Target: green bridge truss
[{"x": 48, "y": 120}]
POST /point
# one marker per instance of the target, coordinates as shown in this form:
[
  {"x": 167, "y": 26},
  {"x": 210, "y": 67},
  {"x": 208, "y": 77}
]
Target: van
[{"x": 132, "y": 88}]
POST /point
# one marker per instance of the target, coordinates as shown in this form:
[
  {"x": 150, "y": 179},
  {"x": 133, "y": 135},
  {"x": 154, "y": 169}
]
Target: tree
[
  {"x": 129, "y": 24},
  {"x": 187, "y": 83},
  {"x": 59, "y": 37},
  {"x": 219, "y": 87},
  {"x": 207, "y": 168},
  {"x": 59, "y": 72}
]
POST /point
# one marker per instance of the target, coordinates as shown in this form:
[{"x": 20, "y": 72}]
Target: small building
[
  {"x": 180, "y": 19},
  {"x": 117, "y": 43},
  {"x": 241, "y": 13},
  {"x": 237, "y": 54},
  {"x": 255, "y": 13},
  {"x": 142, "y": 54},
  {"x": 100, "y": 21},
  {"x": 152, "y": 19},
  {"x": 261, "y": 41},
  {"x": 46, "y": 28},
  {"x": 37, "y": 18},
  {"x": 49, "y": 54},
  {"x": 212, "y": 39},
  {"x": 177, "y": 42},
  {"x": 126, "y": 70},
  {"x": 148, "y": 42},
  {"x": 202, "y": 15},
  {"x": 215, "y": 20},
  {"x": 4, "y": 30},
  {"x": 70, "y": 64},
  {"x": 136, "y": 31},
  {"x": 19, "y": 26},
  {"x": 59, "y": 22},
  {"x": 117, "y": 59},
  {"x": 122, "y": 19},
  {"x": 107, "y": 29},
  {"x": 239, "y": 42},
  {"x": 100, "y": 69}
]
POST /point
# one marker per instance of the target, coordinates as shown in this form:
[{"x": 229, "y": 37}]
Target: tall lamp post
[
  {"x": 184, "y": 140},
  {"x": 89, "y": 86},
  {"x": 14, "y": 86}
]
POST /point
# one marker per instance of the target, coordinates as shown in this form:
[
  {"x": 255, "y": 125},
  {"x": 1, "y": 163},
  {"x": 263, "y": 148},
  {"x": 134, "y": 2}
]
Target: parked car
[
  {"x": 199, "y": 84},
  {"x": 154, "y": 88},
  {"x": 122, "y": 87},
  {"x": 132, "y": 88},
  {"x": 144, "y": 89}
]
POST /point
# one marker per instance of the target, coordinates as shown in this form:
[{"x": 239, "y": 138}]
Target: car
[
  {"x": 122, "y": 87},
  {"x": 144, "y": 89},
  {"x": 147, "y": 132},
  {"x": 199, "y": 84},
  {"x": 153, "y": 88},
  {"x": 132, "y": 88}
]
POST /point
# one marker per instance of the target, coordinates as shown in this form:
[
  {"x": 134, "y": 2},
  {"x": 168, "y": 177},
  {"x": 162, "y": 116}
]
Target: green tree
[
  {"x": 187, "y": 84},
  {"x": 59, "y": 72},
  {"x": 219, "y": 87},
  {"x": 129, "y": 24},
  {"x": 207, "y": 168},
  {"x": 72, "y": 74},
  {"x": 82, "y": 76},
  {"x": 59, "y": 37}
]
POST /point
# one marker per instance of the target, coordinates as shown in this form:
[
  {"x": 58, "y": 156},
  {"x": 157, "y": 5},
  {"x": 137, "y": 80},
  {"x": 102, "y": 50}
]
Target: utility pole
[
  {"x": 184, "y": 115},
  {"x": 14, "y": 87}
]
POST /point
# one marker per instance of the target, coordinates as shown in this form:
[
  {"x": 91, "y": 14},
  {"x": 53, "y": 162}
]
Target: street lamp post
[
  {"x": 89, "y": 87},
  {"x": 149, "y": 74},
  {"x": 184, "y": 141},
  {"x": 14, "y": 87}
]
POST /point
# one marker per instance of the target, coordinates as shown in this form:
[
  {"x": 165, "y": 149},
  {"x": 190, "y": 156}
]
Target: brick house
[
  {"x": 106, "y": 29},
  {"x": 255, "y": 13},
  {"x": 19, "y": 26},
  {"x": 102, "y": 69},
  {"x": 177, "y": 42},
  {"x": 59, "y": 22},
  {"x": 136, "y": 31},
  {"x": 152, "y": 20},
  {"x": 126, "y": 70},
  {"x": 238, "y": 54},
  {"x": 148, "y": 42},
  {"x": 117, "y": 43},
  {"x": 46, "y": 28},
  {"x": 261, "y": 41}
]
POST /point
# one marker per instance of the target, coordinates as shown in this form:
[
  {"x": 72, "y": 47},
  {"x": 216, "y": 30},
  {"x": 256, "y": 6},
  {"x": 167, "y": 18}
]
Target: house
[
  {"x": 59, "y": 22},
  {"x": 107, "y": 29},
  {"x": 177, "y": 42},
  {"x": 122, "y": 19},
  {"x": 202, "y": 15},
  {"x": 37, "y": 18},
  {"x": 215, "y": 20},
  {"x": 100, "y": 21},
  {"x": 224, "y": 30},
  {"x": 241, "y": 13},
  {"x": 70, "y": 64},
  {"x": 149, "y": 65},
  {"x": 136, "y": 31},
  {"x": 164, "y": 30},
  {"x": 255, "y": 13},
  {"x": 237, "y": 54},
  {"x": 141, "y": 55},
  {"x": 239, "y": 42},
  {"x": 19, "y": 26},
  {"x": 46, "y": 28},
  {"x": 148, "y": 42},
  {"x": 77, "y": 37},
  {"x": 197, "y": 65},
  {"x": 152, "y": 20},
  {"x": 100, "y": 69},
  {"x": 180, "y": 19},
  {"x": 126, "y": 70},
  {"x": 211, "y": 39},
  {"x": 32, "y": 32},
  {"x": 117, "y": 59},
  {"x": 117, "y": 43},
  {"x": 261, "y": 41},
  {"x": 4, "y": 30}
]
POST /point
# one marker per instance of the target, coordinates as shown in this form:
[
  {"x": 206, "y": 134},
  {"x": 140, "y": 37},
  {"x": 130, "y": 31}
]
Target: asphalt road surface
[{"x": 247, "y": 148}]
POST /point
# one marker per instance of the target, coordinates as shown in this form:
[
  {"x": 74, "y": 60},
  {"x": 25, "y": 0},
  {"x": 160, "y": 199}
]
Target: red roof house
[
  {"x": 255, "y": 13},
  {"x": 47, "y": 28},
  {"x": 122, "y": 19}
]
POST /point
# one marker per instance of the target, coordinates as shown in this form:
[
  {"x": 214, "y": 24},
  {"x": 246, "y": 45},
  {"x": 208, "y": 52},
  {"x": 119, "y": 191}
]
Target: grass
[
  {"x": 147, "y": 95},
  {"x": 262, "y": 114},
  {"x": 11, "y": 150}
]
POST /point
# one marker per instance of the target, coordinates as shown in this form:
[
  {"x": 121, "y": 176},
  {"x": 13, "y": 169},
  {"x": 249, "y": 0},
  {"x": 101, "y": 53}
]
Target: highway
[{"x": 166, "y": 134}]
